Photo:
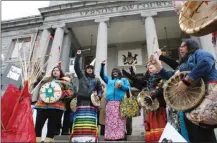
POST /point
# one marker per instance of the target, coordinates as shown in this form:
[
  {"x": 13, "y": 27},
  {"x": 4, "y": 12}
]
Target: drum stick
[
  {"x": 153, "y": 45},
  {"x": 156, "y": 52},
  {"x": 160, "y": 49},
  {"x": 85, "y": 50}
]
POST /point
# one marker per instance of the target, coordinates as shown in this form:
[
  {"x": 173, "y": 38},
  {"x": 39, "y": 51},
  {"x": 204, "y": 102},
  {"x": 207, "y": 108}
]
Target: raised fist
[
  {"x": 156, "y": 63},
  {"x": 159, "y": 52},
  {"x": 79, "y": 52},
  {"x": 103, "y": 62}
]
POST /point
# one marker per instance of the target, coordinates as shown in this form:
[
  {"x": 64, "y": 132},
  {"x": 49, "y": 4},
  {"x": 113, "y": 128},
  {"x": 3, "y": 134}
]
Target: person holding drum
[
  {"x": 50, "y": 105},
  {"x": 116, "y": 89},
  {"x": 202, "y": 119},
  {"x": 85, "y": 123},
  {"x": 151, "y": 97}
]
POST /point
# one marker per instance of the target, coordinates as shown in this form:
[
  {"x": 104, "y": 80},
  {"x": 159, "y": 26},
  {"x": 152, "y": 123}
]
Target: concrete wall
[{"x": 206, "y": 44}]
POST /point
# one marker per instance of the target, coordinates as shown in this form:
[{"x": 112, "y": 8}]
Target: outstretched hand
[{"x": 156, "y": 63}]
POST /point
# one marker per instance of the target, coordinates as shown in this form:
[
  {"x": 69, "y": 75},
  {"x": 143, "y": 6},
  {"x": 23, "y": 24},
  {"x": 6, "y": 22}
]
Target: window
[{"x": 21, "y": 48}]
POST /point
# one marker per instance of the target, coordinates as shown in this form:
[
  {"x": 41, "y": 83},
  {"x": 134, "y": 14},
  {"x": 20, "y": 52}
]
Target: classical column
[
  {"x": 150, "y": 32},
  {"x": 43, "y": 45},
  {"x": 65, "y": 51},
  {"x": 55, "y": 49},
  {"x": 206, "y": 44},
  {"x": 41, "y": 52},
  {"x": 101, "y": 47}
]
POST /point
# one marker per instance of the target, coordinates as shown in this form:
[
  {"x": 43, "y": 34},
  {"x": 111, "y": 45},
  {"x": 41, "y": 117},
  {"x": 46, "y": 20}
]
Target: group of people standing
[
  {"x": 195, "y": 125},
  {"x": 85, "y": 120}
]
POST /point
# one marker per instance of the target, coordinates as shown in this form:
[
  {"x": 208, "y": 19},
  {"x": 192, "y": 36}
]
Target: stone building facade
[{"x": 110, "y": 29}]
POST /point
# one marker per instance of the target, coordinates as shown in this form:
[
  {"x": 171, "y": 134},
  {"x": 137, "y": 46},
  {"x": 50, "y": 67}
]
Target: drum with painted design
[{"x": 50, "y": 92}]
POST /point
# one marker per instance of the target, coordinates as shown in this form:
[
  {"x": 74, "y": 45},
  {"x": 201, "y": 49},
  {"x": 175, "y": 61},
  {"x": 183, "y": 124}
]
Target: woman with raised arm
[
  {"x": 196, "y": 125},
  {"x": 155, "y": 120},
  {"x": 85, "y": 124},
  {"x": 116, "y": 89}
]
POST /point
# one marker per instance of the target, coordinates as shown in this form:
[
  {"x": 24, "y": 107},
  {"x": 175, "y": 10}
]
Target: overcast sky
[{"x": 17, "y": 9}]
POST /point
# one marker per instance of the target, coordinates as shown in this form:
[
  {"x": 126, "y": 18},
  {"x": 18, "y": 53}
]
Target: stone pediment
[{"x": 83, "y": 9}]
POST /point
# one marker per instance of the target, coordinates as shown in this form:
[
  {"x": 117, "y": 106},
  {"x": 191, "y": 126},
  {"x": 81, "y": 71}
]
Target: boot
[
  {"x": 48, "y": 140},
  {"x": 38, "y": 139}
]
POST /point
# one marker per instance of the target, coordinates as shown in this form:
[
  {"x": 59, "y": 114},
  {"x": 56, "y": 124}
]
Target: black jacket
[
  {"x": 140, "y": 83},
  {"x": 169, "y": 61}
]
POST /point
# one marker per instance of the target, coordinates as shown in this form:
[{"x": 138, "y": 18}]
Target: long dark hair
[
  {"x": 61, "y": 72},
  {"x": 192, "y": 47},
  {"x": 119, "y": 73},
  {"x": 87, "y": 74}
]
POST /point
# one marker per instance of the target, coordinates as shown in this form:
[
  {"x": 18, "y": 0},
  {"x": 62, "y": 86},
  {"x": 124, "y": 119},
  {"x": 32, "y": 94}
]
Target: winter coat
[{"x": 113, "y": 93}]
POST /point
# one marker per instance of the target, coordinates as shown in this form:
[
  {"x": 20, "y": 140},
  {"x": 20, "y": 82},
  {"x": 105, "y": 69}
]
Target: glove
[{"x": 148, "y": 100}]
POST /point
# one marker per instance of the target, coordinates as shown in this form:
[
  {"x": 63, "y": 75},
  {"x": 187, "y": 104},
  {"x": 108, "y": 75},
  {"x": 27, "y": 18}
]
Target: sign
[
  {"x": 171, "y": 135},
  {"x": 11, "y": 75},
  {"x": 126, "y": 57},
  {"x": 14, "y": 73},
  {"x": 71, "y": 65},
  {"x": 138, "y": 6}
]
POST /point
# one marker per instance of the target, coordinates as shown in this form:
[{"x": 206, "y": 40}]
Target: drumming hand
[
  {"x": 118, "y": 85},
  {"x": 181, "y": 87},
  {"x": 148, "y": 100}
]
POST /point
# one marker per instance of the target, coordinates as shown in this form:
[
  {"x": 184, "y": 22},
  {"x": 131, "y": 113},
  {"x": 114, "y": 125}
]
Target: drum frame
[
  {"x": 192, "y": 102},
  {"x": 205, "y": 28}
]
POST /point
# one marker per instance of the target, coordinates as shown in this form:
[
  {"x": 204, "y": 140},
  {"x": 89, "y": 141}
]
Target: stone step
[{"x": 130, "y": 138}]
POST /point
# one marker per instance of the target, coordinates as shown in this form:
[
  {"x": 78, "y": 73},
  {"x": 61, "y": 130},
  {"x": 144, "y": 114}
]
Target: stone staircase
[
  {"x": 136, "y": 136},
  {"x": 130, "y": 138}
]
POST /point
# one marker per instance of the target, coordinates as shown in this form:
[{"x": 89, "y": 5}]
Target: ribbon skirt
[{"x": 84, "y": 128}]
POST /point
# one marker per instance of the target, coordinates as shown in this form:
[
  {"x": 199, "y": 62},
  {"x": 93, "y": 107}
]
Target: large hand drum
[
  {"x": 140, "y": 99},
  {"x": 50, "y": 92},
  {"x": 198, "y": 18},
  {"x": 95, "y": 99},
  {"x": 189, "y": 99}
]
